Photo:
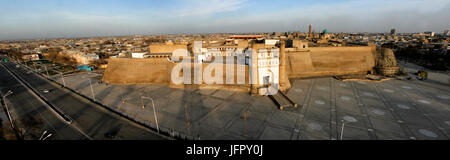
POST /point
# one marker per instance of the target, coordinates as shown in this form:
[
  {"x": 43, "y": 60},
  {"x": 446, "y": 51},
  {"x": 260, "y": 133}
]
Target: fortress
[{"x": 256, "y": 72}]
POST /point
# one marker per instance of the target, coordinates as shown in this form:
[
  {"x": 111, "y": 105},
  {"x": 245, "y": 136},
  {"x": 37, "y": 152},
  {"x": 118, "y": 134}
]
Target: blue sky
[{"x": 31, "y": 19}]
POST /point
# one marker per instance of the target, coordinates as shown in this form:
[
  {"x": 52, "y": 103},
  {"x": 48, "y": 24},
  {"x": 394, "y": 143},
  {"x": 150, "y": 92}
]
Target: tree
[{"x": 99, "y": 62}]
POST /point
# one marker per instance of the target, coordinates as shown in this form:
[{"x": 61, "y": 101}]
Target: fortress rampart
[{"x": 317, "y": 61}]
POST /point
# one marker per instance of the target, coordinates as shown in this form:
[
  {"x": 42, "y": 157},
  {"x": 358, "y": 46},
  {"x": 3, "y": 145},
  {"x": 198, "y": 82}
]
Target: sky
[{"x": 39, "y": 19}]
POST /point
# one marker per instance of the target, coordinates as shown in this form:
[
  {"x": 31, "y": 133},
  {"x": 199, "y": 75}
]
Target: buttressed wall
[
  {"x": 227, "y": 76},
  {"x": 137, "y": 71},
  {"x": 318, "y": 61},
  {"x": 158, "y": 71},
  {"x": 321, "y": 61}
]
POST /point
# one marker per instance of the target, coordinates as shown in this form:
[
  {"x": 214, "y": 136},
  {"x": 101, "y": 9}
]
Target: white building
[
  {"x": 271, "y": 42},
  {"x": 89, "y": 58},
  {"x": 268, "y": 70},
  {"x": 137, "y": 55}
]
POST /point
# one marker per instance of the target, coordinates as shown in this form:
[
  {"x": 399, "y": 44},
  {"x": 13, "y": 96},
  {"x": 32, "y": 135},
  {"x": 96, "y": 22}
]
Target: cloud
[
  {"x": 350, "y": 16},
  {"x": 92, "y": 18},
  {"x": 209, "y": 8}
]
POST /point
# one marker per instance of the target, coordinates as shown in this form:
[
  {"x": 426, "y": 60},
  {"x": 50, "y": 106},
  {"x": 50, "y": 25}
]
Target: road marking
[
  {"x": 443, "y": 97},
  {"x": 360, "y": 82},
  {"x": 323, "y": 88},
  {"x": 424, "y": 101},
  {"x": 319, "y": 102},
  {"x": 378, "y": 112},
  {"x": 428, "y": 133},
  {"x": 345, "y": 98},
  {"x": 315, "y": 126},
  {"x": 447, "y": 122},
  {"x": 406, "y": 87},
  {"x": 350, "y": 119},
  {"x": 369, "y": 94},
  {"x": 402, "y": 106}
]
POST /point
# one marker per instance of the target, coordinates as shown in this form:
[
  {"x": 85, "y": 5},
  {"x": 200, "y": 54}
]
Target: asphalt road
[
  {"x": 31, "y": 114},
  {"x": 89, "y": 119}
]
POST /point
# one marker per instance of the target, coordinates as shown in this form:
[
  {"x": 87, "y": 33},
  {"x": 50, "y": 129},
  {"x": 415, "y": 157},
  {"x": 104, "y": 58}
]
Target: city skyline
[{"x": 64, "y": 19}]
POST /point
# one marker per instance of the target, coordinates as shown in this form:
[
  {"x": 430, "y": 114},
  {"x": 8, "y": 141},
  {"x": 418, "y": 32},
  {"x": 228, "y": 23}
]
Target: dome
[{"x": 325, "y": 31}]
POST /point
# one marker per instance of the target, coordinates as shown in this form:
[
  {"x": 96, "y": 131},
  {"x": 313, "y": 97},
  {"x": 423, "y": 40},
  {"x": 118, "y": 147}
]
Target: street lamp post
[
  {"x": 31, "y": 60},
  {"x": 142, "y": 101},
  {"x": 246, "y": 114},
  {"x": 342, "y": 129},
  {"x": 92, "y": 90},
  {"x": 346, "y": 119},
  {"x": 121, "y": 92},
  {"x": 48, "y": 76},
  {"x": 186, "y": 115},
  {"x": 47, "y": 136},
  {"x": 34, "y": 65},
  {"x": 6, "y": 107},
  {"x": 42, "y": 136},
  {"x": 62, "y": 77},
  {"x": 154, "y": 112}
]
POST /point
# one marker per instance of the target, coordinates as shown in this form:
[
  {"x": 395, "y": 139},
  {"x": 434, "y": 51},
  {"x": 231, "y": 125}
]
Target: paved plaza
[{"x": 390, "y": 110}]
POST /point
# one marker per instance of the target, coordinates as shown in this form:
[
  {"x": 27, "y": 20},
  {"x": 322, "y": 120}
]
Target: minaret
[
  {"x": 310, "y": 31},
  {"x": 283, "y": 77}
]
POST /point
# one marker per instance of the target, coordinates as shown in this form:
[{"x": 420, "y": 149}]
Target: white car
[{"x": 46, "y": 91}]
